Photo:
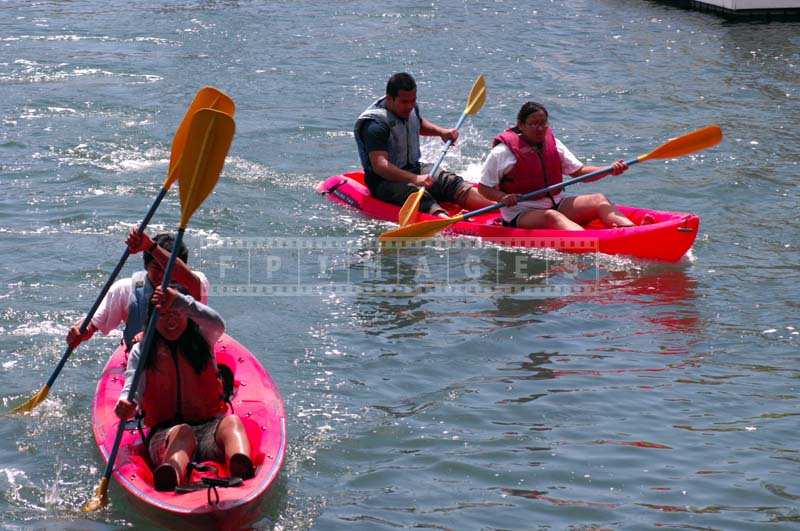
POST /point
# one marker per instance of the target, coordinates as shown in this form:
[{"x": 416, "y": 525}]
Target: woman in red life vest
[
  {"x": 180, "y": 394},
  {"x": 528, "y": 157}
]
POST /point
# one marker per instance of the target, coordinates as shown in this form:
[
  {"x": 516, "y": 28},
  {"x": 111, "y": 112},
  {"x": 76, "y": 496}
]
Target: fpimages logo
[{"x": 443, "y": 267}]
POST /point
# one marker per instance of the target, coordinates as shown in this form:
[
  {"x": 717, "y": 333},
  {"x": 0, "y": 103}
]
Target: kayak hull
[
  {"x": 658, "y": 235},
  {"x": 259, "y": 404}
]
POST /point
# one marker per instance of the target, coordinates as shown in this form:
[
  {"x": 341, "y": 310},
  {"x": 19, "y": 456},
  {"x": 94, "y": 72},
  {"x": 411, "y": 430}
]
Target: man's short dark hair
[
  {"x": 165, "y": 240},
  {"x": 400, "y": 81},
  {"x": 528, "y": 108}
]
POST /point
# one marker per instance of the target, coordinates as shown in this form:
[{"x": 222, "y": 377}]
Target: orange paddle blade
[
  {"x": 703, "y": 138},
  {"x": 477, "y": 96},
  {"x": 35, "y": 400},
  {"x": 206, "y": 98},
  {"x": 210, "y": 137},
  {"x": 423, "y": 229},
  {"x": 410, "y": 209}
]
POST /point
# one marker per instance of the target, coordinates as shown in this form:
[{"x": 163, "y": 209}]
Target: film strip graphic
[{"x": 448, "y": 267}]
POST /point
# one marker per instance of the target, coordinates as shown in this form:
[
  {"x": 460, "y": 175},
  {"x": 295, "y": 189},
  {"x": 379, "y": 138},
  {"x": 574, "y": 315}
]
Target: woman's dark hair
[
  {"x": 191, "y": 345},
  {"x": 398, "y": 82},
  {"x": 528, "y": 108},
  {"x": 166, "y": 241}
]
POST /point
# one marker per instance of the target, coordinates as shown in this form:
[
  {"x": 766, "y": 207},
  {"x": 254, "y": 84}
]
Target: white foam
[
  {"x": 13, "y": 475},
  {"x": 48, "y": 328}
]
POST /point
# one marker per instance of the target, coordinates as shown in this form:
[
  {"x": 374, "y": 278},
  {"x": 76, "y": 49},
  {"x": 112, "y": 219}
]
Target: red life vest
[
  {"x": 535, "y": 168},
  {"x": 174, "y": 392}
]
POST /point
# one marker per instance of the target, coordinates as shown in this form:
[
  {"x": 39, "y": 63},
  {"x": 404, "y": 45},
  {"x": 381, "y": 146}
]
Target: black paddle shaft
[
  {"x": 144, "y": 353},
  {"x": 109, "y": 282}
]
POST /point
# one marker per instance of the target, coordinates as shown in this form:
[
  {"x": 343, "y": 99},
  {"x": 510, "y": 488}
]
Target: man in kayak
[
  {"x": 387, "y": 134},
  {"x": 126, "y": 300},
  {"x": 528, "y": 157},
  {"x": 180, "y": 395}
]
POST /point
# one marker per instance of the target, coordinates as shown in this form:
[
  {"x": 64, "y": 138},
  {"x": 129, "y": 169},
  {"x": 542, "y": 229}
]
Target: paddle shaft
[
  {"x": 447, "y": 146},
  {"x": 107, "y": 286},
  {"x": 144, "y": 354},
  {"x": 529, "y": 195}
]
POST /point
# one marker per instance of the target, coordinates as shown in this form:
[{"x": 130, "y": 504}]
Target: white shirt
[{"x": 113, "y": 311}]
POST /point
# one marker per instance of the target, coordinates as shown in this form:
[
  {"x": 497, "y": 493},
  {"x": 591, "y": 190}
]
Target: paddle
[
  {"x": 210, "y": 136},
  {"x": 475, "y": 100},
  {"x": 205, "y": 97},
  {"x": 703, "y": 138}
]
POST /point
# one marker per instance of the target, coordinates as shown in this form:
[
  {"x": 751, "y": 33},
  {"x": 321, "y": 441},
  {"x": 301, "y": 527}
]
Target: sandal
[
  {"x": 165, "y": 478},
  {"x": 241, "y": 466}
]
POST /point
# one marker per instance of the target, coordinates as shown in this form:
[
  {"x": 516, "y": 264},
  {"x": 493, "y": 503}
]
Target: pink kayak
[
  {"x": 255, "y": 399},
  {"x": 659, "y": 235}
]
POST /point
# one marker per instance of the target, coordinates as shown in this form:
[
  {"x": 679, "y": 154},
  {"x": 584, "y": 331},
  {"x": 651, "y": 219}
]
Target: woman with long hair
[{"x": 180, "y": 394}]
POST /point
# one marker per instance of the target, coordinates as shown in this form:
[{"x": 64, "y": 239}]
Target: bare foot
[{"x": 647, "y": 219}]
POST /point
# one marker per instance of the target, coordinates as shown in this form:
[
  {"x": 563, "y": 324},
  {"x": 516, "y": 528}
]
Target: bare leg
[
  {"x": 473, "y": 200},
  {"x": 181, "y": 445},
  {"x": 232, "y": 437},
  {"x": 584, "y": 208},
  {"x": 546, "y": 219}
]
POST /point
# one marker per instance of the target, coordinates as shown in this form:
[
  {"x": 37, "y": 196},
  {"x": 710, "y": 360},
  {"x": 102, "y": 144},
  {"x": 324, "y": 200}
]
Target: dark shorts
[
  {"x": 513, "y": 222},
  {"x": 205, "y": 434},
  {"x": 447, "y": 188}
]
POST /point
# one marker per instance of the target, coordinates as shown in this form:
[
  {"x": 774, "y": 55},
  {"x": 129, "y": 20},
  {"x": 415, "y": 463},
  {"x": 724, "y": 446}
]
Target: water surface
[{"x": 667, "y": 397}]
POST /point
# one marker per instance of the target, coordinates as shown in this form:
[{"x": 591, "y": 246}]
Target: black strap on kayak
[
  {"x": 140, "y": 428},
  {"x": 211, "y": 484},
  {"x": 136, "y": 423},
  {"x": 194, "y": 465},
  {"x": 335, "y": 187}
]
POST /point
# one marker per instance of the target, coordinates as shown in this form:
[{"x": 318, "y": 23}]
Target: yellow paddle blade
[
  {"x": 210, "y": 137},
  {"x": 703, "y": 138},
  {"x": 206, "y": 98},
  {"x": 410, "y": 209},
  {"x": 423, "y": 229},
  {"x": 35, "y": 400},
  {"x": 477, "y": 96},
  {"x": 100, "y": 498}
]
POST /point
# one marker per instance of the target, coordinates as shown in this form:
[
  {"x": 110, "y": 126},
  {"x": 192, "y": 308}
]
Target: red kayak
[
  {"x": 259, "y": 404},
  {"x": 658, "y": 235}
]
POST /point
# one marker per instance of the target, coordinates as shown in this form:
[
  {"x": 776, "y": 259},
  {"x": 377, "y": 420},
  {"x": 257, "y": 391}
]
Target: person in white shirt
[
  {"x": 528, "y": 157},
  {"x": 126, "y": 300}
]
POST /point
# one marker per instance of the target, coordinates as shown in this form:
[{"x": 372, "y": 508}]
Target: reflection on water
[{"x": 523, "y": 373}]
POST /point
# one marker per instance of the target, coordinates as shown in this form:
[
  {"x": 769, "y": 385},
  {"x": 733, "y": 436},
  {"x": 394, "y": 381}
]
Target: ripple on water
[{"x": 27, "y": 71}]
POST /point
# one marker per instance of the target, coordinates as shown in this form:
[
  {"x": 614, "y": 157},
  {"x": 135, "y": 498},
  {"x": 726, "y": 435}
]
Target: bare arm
[
  {"x": 494, "y": 167},
  {"x": 427, "y": 128},
  {"x": 498, "y": 196},
  {"x": 584, "y": 170},
  {"x": 616, "y": 168},
  {"x": 390, "y": 172},
  {"x": 492, "y": 194},
  {"x": 181, "y": 272}
]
